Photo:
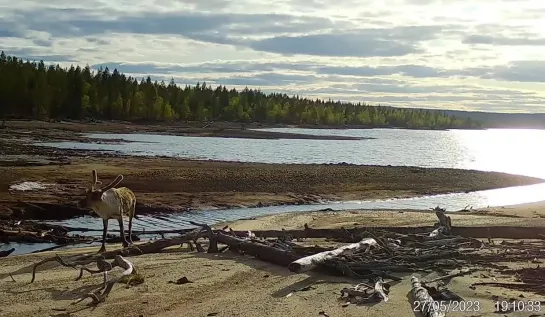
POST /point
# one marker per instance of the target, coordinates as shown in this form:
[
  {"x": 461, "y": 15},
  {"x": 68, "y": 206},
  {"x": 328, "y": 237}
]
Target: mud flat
[
  {"x": 173, "y": 185},
  {"x": 231, "y": 284},
  {"x": 65, "y": 130}
]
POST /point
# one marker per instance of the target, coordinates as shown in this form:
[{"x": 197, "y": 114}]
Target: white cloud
[{"x": 481, "y": 54}]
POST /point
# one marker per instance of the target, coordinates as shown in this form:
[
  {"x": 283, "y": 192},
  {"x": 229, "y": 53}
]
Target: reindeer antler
[
  {"x": 95, "y": 180},
  {"x": 114, "y": 183}
]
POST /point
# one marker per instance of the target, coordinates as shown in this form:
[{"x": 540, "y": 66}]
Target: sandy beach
[{"x": 229, "y": 284}]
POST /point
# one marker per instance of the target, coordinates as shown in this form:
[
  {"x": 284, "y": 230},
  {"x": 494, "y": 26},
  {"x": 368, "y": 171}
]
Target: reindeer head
[{"x": 93, "y": 194}]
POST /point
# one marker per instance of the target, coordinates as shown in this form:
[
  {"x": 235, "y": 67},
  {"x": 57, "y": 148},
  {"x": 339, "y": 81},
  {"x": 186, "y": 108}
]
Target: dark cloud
[
  {"x": 503, "y": 40},
  {"x": 190, "y": 24},
  {"x": 28, "y": 54},
  {"x": 234, "y": 29},
  {"x": 8, "y": 33},
  {"x": 267, "y": 79},
  {"x": 521, "y": 71},
  {"x": 43, "y": 42},
  {"x": 418, "y": 71},
  {"x": 342, "y": 45}
]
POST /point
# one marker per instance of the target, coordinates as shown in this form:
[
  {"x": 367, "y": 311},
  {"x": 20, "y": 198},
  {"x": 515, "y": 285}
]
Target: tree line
[{"x": 35, "y": 90}]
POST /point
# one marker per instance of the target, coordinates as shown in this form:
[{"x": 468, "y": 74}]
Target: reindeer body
[
  {"x": 115, "y": 203},
  {"x": 111, "y": 203}
]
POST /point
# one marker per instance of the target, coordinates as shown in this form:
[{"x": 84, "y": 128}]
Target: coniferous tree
[{"x": 34, "y": 90}]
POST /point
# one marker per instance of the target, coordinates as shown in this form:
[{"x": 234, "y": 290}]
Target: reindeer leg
[
  {"x": 104, "y": 231},
  {"x": 132, "y": 213},
  {"x": 122, "y": 233},
  {"x": 130, "y": 230}
]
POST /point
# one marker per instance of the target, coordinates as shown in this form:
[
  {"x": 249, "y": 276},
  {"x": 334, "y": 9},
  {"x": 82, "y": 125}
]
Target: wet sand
[
  {"x": 233, "y": 285},
  {"x": 166, "y": 184},
  {"x": 64, "y": 130}
]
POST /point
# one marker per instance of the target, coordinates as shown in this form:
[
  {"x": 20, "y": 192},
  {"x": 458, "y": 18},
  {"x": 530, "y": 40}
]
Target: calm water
[
  {"x": 511, "y": 151},
  {"x": 503, "y": 150}
]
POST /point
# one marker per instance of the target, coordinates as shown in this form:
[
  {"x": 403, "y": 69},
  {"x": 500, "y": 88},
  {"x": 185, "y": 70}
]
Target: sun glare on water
[{"x": 516, "y": 151}]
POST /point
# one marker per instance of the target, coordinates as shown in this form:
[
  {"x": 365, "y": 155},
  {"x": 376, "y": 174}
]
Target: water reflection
[
  {"x": 452, "y": 202},
  {"x": 502, "y": 150},
  {"x": 481, "y": 199},
  {"x": 510, "y": 151}
]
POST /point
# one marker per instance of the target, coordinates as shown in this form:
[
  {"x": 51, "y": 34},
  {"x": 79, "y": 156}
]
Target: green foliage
[{"x": 34, "y": 90}]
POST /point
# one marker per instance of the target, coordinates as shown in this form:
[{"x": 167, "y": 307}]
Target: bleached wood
[
  {"x": 422, "y": 301},
  {"x": 312, "y": 261},
  {"x": 99, "y": 296}
]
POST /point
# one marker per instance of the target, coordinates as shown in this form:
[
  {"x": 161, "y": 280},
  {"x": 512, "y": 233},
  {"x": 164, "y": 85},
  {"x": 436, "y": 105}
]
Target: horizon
[{"x": 488, "y": 61}]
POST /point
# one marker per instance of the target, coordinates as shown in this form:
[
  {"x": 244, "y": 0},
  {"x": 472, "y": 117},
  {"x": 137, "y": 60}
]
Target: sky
[{"x": 484, "y": 55}]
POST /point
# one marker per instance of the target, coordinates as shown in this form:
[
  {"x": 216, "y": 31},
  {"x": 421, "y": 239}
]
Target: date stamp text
[{"x": 447, "y": 306}]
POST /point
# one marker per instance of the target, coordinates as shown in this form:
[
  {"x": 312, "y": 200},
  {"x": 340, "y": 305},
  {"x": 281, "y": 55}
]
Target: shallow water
[
  {"x": 480, "y": 199},
  {"x": 502, "y": 150}
]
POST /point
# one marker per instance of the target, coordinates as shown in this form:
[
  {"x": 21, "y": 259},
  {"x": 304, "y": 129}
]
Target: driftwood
[
  {"x": 103, "y": 267},
  {"x": 422, "y": 301},
  {"x": 153, "y": 246},
  {"x": 310, "y": 262},
  {"x": 380, "y": 289},
  {"x": 79, "y": 264},
  {"x": 444, "y": 225},
  {"x": 6, "y": 252},
  {"x": 259, "y": 250},
  {"x": 530, "y": 280},
  {"x": 449, "y": 276},
  {"x": 478, "y": 232},
  {"x": 101, "y": 294},
  {"x": 364, "y": 293}
]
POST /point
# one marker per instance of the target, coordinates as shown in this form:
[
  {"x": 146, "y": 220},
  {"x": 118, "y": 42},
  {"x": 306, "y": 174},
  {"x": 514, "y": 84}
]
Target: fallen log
[
  {"x": 153, "y": 246},
  {"x": 481, "y": 232},
  {"x": 312, "y": 261},
  {"x": 6, "y": 252},
  {"x": 422, "y": 301},
  {"x": 259, "y": 250},
  {"x": 23, "y": 236}
]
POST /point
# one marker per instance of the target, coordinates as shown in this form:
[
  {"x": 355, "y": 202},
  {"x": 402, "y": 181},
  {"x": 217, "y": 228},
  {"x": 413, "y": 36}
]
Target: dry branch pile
[{"x": 373, "y": 254}]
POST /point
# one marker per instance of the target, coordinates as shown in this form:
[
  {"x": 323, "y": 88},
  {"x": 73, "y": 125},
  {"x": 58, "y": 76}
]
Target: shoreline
[
  {"x": 67, "y": 130},
  {"x": 195, "y": 127},
  {"x": 167, "y": 184},
  {"x": 177, "y": 185},
  {"x": 231, "y": 284}
]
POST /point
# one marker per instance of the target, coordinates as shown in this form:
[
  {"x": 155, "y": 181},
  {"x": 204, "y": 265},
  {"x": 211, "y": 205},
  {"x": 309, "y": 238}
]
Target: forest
[{"x": 32, "y": 89}]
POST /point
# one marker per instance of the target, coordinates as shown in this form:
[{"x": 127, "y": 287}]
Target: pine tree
[{"x": 35, "y": 90}]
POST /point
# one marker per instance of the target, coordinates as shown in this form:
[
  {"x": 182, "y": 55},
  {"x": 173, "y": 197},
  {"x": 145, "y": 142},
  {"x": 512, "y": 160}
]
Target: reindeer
[{"x": 110, "y": 203}]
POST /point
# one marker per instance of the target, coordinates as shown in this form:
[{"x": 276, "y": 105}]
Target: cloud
[
  {"x": 504, "y": 40},
  {"x": 482, "y": 54}
]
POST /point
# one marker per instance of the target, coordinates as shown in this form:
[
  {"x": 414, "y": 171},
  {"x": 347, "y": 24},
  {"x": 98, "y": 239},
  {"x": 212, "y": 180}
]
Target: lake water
[{"x": 502, "y": 150}]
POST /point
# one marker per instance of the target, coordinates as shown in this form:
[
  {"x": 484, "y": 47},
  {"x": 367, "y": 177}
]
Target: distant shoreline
[{"x": 207, "y": 129}]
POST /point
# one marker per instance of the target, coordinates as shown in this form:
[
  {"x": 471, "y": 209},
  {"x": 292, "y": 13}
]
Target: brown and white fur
[{"x": 110, "y": 203}]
